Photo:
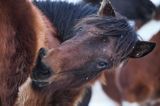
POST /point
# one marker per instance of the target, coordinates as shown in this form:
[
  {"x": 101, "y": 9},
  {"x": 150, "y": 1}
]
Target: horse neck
[
  {"x": 17, "y": 30},
  {"x": 65, "y": 15},
  {"x": 155, "y": 54},
  {"x": 156, "y": 38},
  {"x": 23, "y": 32},
  {"x": 28, "y": 96},
  {"x": 18, "y": 45}
]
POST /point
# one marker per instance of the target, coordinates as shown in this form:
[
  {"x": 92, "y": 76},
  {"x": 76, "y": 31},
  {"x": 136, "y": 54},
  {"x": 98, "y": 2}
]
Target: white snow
[
  {"x": 156, "y": 2},
  {"x": 99, "y": 98},
  {"x": 149, "y": 29}
]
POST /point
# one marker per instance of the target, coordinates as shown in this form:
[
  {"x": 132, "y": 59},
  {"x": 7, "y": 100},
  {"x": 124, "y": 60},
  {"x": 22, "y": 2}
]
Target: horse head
[{"x": 100, "y": 42}]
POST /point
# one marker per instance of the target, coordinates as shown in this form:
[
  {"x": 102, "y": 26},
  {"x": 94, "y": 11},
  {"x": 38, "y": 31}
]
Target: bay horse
[
  {"x": 137, "y": 81},
  {"x": 24, "y": 30},
  {"x": 97, "y": 41}
]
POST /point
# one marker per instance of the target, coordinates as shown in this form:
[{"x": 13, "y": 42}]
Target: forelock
[{"x": 114, "y": 27}]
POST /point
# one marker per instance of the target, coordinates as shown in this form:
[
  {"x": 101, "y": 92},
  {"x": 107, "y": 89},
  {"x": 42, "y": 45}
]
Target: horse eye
[{"x": 102, "y": 65}]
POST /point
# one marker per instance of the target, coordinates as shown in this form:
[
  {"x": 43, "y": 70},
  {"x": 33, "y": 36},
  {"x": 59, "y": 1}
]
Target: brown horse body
[
  {"x": 141, "y": 81},
  {"x": 21, "y": 37}
]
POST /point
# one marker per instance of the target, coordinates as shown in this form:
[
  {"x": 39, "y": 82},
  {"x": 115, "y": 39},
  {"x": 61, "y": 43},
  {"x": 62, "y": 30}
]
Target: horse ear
[
  {"x": 106, "y": 9},
  {"x": 141, "y": 49}
]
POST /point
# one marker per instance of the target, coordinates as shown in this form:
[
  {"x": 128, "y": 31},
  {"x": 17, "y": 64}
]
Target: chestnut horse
[
  {"x": 97, "y": 42},
  {"x": 23, "y": 30},
  {"x": 139, "y": 80},
  {"x": 93, "y": 44}
]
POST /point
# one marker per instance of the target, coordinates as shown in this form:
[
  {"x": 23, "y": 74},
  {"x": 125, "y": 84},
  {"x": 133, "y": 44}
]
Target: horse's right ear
[
  {"x": 141, "y": 49},
  {"x": 106, "y": 9}
]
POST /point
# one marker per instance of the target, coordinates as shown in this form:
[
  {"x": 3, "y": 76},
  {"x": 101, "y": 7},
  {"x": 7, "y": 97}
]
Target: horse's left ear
[
  {"x": 141, "y": 49},
  {"x": 106, "y": 9}
]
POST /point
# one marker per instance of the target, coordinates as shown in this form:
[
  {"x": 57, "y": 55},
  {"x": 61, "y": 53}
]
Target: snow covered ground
[{"x": 100, "y": 99}]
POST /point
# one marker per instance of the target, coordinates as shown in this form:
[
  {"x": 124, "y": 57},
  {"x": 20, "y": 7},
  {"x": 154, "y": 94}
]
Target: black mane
[{"x": 64, "y": 15}]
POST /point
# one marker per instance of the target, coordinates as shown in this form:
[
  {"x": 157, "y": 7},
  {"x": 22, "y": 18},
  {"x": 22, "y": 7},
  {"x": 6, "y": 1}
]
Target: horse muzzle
[{"x": 41, "y": 72}]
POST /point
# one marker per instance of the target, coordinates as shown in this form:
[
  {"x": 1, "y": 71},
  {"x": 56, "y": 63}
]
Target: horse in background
[
  {"x": 61, "y": 74},
  {"x": 138, "y": 81},
  {"x": 142, "y": 10},
  {"x": 157, "y": 16},
  {"x": 138, "y": 11}
]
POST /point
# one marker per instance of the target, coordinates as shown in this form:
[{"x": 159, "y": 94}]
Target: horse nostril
[
  {"x": 41, "y": 71},
  {"x": 45, "y": 70},
  {"x": 39, "y": 84},
  {"x": 42, "y": 52}
]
